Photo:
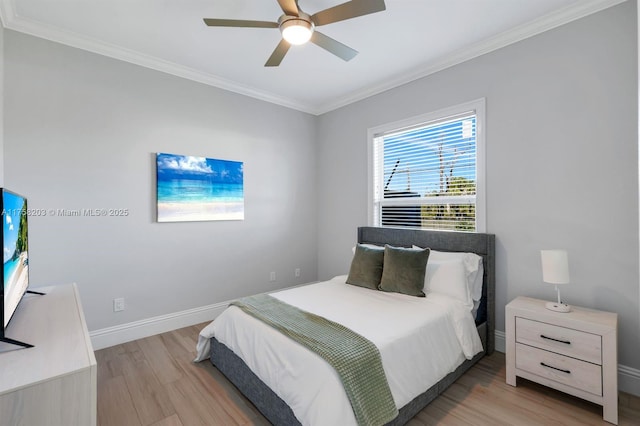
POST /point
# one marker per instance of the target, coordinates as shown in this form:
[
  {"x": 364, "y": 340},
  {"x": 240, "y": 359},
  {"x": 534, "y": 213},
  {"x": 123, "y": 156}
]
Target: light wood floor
[{"x": 152, "y": 381}]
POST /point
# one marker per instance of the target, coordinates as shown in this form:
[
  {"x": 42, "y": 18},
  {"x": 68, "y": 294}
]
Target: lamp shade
[{"x": 555, "y": 266}]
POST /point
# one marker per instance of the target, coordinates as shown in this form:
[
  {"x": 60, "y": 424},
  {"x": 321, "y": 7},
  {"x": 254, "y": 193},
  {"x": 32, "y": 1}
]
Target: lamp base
[{"x": 558, "y": 307}]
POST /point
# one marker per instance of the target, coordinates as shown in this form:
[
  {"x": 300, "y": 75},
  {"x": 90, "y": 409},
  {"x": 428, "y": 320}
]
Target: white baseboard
[
  {"x": 123, "y": 333},
  {"x": 111, "y": 336},
  {"x": 628, "y": 378}
]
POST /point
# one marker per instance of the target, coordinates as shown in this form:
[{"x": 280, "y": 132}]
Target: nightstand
[{"x": 575, "y": 352}]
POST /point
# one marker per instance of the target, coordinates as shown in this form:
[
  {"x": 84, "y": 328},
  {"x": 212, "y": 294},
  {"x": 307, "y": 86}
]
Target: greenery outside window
[{"x": 428, "y": 172}]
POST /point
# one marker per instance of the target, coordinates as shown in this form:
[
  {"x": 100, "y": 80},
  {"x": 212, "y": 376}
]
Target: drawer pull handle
[
  {"x": 566, "y": 342},
  {"x": 555, "y": 368}
]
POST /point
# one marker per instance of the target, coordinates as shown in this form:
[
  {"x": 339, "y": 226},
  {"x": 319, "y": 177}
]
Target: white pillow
[
  {"x": 474, "y": 270},
  {"x": 473, "y": 267},
  {"x": 448, "y": 277}
]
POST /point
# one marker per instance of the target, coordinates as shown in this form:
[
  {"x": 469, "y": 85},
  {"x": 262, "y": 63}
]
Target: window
[{"x": 428, "y": 172}]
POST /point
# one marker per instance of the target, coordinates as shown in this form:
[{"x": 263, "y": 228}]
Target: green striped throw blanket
[{"x": 356, "y": 360}]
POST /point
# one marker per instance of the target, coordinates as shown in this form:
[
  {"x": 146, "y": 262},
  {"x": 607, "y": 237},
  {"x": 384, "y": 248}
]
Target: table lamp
[{"x": 555, "y": 270}]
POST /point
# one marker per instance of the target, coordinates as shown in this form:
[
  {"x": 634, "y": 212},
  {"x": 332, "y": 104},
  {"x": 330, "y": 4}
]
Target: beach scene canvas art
[{"x": 199, "y": 189}]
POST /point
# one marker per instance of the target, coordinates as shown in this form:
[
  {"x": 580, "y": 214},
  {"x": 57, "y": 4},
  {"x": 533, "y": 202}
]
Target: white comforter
[{"x": 420, "y": 340}]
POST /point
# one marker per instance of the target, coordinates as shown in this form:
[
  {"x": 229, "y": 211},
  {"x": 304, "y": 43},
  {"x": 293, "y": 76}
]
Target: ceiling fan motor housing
[{"x": 296, "y": 29}]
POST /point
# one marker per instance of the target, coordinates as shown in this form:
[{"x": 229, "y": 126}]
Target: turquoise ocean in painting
[
  {"x": 198, "y": 191},
  {"x": 198, "y": 188}
]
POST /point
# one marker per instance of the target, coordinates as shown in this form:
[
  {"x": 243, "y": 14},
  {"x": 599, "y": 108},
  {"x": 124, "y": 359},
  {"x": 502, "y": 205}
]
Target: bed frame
[{"x": 279, "y": 413}]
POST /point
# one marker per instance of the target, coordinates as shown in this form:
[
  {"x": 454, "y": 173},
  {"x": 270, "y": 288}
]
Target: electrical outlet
[
  {"x": 272, "y": 276},
  {"x": 297, "y": 272},
  {"x": 118, "y": 304}
]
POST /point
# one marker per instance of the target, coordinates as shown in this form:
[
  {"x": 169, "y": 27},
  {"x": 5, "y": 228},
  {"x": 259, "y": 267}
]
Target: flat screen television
[{"x": 15, "y": 274}]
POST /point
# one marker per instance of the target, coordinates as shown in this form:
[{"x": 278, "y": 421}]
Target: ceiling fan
[{"x": 298, "y": 27}]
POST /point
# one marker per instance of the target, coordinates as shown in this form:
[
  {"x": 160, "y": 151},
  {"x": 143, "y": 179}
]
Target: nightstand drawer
[
  {"x": 559, "y": 368},
  {"x": 565, "y": 341}
]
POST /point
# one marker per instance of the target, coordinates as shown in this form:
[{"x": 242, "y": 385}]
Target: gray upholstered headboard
[{"x": 481, "y": 244}]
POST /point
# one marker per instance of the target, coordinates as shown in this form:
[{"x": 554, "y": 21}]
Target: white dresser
[
  {"x": 53, "y": 383},
  {"x": 575, "y": 352}
]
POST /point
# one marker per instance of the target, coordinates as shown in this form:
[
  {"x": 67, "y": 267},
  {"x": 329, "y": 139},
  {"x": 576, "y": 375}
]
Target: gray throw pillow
[
  {"x": 366, "y": 267},
  {"x": 404, "y": 270}
]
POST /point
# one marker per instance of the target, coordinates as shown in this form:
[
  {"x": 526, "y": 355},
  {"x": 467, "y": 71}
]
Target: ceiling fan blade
[
  {"x": 289, "y": 7},
  {"x": 348, "y": 10},
  {"x": 239, "y": 23},
  {"x": 278, "y": 54},
  {"x": 327, "y": 43}
]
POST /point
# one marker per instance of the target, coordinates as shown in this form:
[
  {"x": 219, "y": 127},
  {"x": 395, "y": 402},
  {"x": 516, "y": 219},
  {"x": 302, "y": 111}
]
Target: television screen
[{"x": 15, "y": 278}]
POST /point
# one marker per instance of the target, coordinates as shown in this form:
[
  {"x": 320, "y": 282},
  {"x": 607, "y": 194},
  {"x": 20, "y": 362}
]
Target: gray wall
[
  {"x": 81, "y": 131},
  {"x": 562, "y": 162}
]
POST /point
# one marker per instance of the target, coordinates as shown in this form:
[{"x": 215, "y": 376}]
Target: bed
[{"x": 242, "y": 350}]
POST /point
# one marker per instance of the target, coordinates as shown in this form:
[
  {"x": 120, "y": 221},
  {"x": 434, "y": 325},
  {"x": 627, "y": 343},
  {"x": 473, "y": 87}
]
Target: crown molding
[
  {"x": 555, "y": 19},
  {"x": 12, "y": 21}
]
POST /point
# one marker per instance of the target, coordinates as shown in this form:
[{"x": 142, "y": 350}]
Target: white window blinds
[{"x": 426, "y": 175}]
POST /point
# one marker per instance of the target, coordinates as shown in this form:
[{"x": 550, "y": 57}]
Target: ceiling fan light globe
[{"x": 296, "y": 31}]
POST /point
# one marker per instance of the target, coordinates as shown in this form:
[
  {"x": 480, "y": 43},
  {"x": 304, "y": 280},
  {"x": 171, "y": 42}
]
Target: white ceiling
[{"x": 411, "y": 39}]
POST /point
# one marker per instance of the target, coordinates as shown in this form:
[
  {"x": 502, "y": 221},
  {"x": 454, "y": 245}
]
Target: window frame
[{"x": 477, "y": 106}]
